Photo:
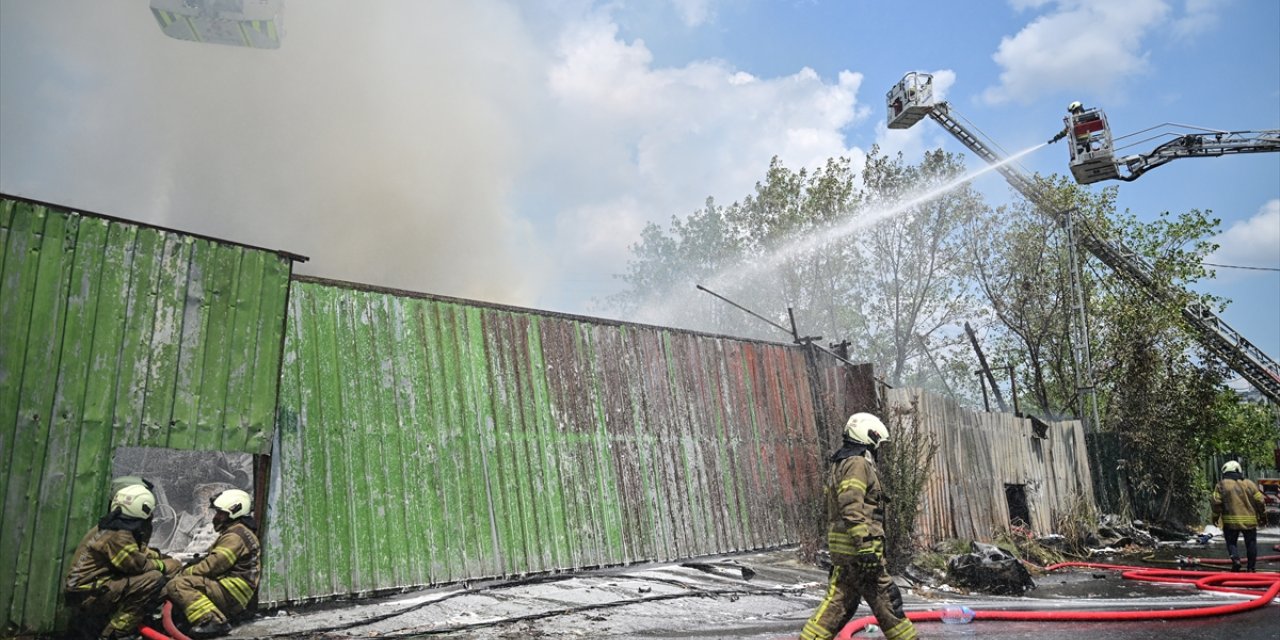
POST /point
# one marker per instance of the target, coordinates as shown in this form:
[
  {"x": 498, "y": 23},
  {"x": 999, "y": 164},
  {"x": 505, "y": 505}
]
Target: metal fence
[
  {"x": 983, "y": 458},
  {"x": 425, "y": 440},
  {"x": 114, "y": 334}
]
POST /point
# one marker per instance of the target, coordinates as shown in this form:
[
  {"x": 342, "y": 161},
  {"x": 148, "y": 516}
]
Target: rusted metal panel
[
  {"x": 979, "y": 453},
  {"x": 426, "y": 440},
  {"x": 115, "y": 334}
]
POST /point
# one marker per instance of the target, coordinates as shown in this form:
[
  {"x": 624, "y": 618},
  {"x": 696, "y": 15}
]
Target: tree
[
  {"x": 1156, "y": 384},
  {"x": 1020, "y": 262},
  {"x": 917, "y": 283},
  {"x": 858, "y": 257}
]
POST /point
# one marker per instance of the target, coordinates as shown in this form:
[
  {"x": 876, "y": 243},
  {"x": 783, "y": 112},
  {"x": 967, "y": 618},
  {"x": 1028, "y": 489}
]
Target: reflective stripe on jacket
[
  {"x": 104, "y": 554},
  {"x": 855, "y": 508},
  {"x": 1238, "y": 502},
  {"x": 234, "y": 561}
]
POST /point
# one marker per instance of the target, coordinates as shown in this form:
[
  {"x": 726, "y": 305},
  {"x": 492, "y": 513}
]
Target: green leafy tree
[
  {"x": 1020, "y": 264},
  {"x": 839, "y": 248}
]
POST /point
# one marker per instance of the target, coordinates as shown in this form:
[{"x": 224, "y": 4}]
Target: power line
[{"x": 1236, "y": 266}]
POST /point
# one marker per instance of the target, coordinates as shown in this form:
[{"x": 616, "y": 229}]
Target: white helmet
[
  {"x": 124, "y": 481},
  {"x": 1230, "y": 466},
  {"x": 234, "y": 502},
  {"x": 1075, "y": 107},
  {"x": 135, "y": 501},
  {"x": 864, "y": 428}
]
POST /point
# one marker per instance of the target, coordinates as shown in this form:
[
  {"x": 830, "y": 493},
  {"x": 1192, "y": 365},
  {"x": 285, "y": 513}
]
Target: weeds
[{"x": 904, "y": 464}]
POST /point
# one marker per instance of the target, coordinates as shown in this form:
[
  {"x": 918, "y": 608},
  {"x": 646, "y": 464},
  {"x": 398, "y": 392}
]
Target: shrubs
[{"x": 904, "y": 465}]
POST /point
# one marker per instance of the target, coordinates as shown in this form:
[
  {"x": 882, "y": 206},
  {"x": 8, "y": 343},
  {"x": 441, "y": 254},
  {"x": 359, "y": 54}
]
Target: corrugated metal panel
[
  {"x": 113, "y": 334},
  {"x": 426, "y": 440},
  {"x": 979, "y": 453}
]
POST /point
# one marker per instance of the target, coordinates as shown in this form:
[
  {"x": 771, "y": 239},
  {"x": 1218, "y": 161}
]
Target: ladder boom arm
[
  {"x": 1201, "y": 145},
  {"x": 1216, "y": 335}
]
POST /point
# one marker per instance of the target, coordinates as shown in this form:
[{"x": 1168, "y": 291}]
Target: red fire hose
[
  {"x": 166, "y": 619},
  {"x": 1265, "y": 586}
]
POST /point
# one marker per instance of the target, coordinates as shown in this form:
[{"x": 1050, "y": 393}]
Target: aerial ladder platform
[{"x": 911, "y": 100}]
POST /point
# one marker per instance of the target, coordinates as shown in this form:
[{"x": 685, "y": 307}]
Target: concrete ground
[{"x": 766, "y": 595}]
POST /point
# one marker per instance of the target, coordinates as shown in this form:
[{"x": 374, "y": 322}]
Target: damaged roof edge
[
  {"x": 295, "y": 257},
  {"x": 595, "y": 320}
]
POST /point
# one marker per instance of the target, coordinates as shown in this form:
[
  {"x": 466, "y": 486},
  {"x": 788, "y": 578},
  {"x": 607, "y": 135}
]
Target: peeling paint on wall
[
  {"x": 115, "y": 334},
  {"x": 426, "y": 440}
]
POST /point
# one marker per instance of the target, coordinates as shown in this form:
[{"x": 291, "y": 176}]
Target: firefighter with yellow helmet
[
  {"x": 114, "y": 574},
  {"x": 212, "y": 591},
  {"x": 855, "y": 504},
  {"x": 1238, "y": 503}
]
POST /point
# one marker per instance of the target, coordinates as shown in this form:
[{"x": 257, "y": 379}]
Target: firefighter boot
[{"x": 210, "y": 629}]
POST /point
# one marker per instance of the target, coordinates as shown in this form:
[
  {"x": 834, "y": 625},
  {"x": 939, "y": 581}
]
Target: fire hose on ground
[{"x": 1265, "y": 587}]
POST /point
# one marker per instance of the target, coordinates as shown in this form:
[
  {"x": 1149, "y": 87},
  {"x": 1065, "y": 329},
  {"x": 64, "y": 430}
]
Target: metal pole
[
  {"x": 778, "y": 326},
  {"x": 1083, "y": 356},
  {"x": 1080, "y": 347},
  {"x": 986, "y": 405},
  {"x": 929, "y": 356},
  {"x": 1013, "y": 390}
]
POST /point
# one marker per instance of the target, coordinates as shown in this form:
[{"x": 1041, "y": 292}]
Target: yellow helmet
[
  {"x": 135, "y": 501},
  {"x": 1230, "y": 466},
  {"x": 864, "y": 428},
  {"x": 233, "y": 502}
]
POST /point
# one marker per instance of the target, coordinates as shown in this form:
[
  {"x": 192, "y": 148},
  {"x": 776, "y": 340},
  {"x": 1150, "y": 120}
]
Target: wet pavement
[{"x": 766, "y": 595}]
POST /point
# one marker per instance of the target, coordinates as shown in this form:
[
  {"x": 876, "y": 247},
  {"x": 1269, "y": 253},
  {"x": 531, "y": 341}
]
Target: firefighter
[
  {"x": 114, "y": 574},
  {"x": 212, "y": 591},
  {"x": 1238, "y": 504},
  {"x": 855, "y": 504},
  {"x": 1075, "y": 108}
]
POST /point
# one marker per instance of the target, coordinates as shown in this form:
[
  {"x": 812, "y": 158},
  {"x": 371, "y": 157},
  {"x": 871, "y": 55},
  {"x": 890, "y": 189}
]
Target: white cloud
[
  {"x": 1082, "y": 45},
  {"x": 694, "y": 12},
  {"x": 1252, "y": 243},
  {"x": 1199, "y": 16},
  {"x": 669, "y": 137}
]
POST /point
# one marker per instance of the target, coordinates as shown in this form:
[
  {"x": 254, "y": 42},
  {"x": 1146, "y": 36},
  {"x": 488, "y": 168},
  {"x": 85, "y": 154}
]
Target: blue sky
[{"x": 511, "y": 151}]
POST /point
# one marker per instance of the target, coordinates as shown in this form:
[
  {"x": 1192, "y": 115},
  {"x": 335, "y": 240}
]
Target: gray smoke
[{"x": 379, "y": 140}]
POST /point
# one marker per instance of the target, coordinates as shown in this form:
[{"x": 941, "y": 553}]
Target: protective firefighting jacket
[
  {"x": 1238, "y": 502},
  {"x": 106, "y": 553},
  {"x": 234, "y": 561},
  {"x": 855, "y": 505}
]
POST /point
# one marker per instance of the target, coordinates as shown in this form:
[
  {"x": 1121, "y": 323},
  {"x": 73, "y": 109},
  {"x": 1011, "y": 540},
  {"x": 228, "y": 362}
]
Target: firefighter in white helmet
[
  {"x": 1238, "y": 503},
  {"x": 114, "y": 574},
  {"x": 855, "y": 537},
  {"x": 212, "y": 591}
]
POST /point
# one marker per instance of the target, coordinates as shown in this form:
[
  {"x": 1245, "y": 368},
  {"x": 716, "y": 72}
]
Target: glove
[{"x": 171, "y": 566}]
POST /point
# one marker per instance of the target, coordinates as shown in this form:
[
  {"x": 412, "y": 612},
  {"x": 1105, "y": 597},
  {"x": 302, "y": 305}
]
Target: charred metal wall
[
  {"x": 114, "y": 334},
  {"x": 979, "y": 453},
  {"x": 425, "y": 440}
]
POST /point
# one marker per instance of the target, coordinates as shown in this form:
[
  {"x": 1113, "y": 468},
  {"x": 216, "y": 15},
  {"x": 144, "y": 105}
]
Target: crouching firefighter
[
  {"x": 855, "y": 537},
  {"x": 212, "y": 591},
  {"x": 114, "y": 574}
]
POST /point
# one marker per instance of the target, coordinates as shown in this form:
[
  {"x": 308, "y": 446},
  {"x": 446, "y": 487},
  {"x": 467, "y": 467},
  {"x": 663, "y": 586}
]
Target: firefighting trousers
[
  {"x": 122, "y": 601},
  {"x": 202, "y": 599},
  {"x": 848, "y": 585}
]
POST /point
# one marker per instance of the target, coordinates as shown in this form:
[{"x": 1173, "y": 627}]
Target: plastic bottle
[{"x": 957, "y": 614}]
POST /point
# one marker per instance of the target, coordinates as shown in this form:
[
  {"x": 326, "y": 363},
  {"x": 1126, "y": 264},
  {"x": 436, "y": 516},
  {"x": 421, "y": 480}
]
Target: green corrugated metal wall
[
  {"x": 114, "y": 334},
  {"x": 425, "y": 440}
]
